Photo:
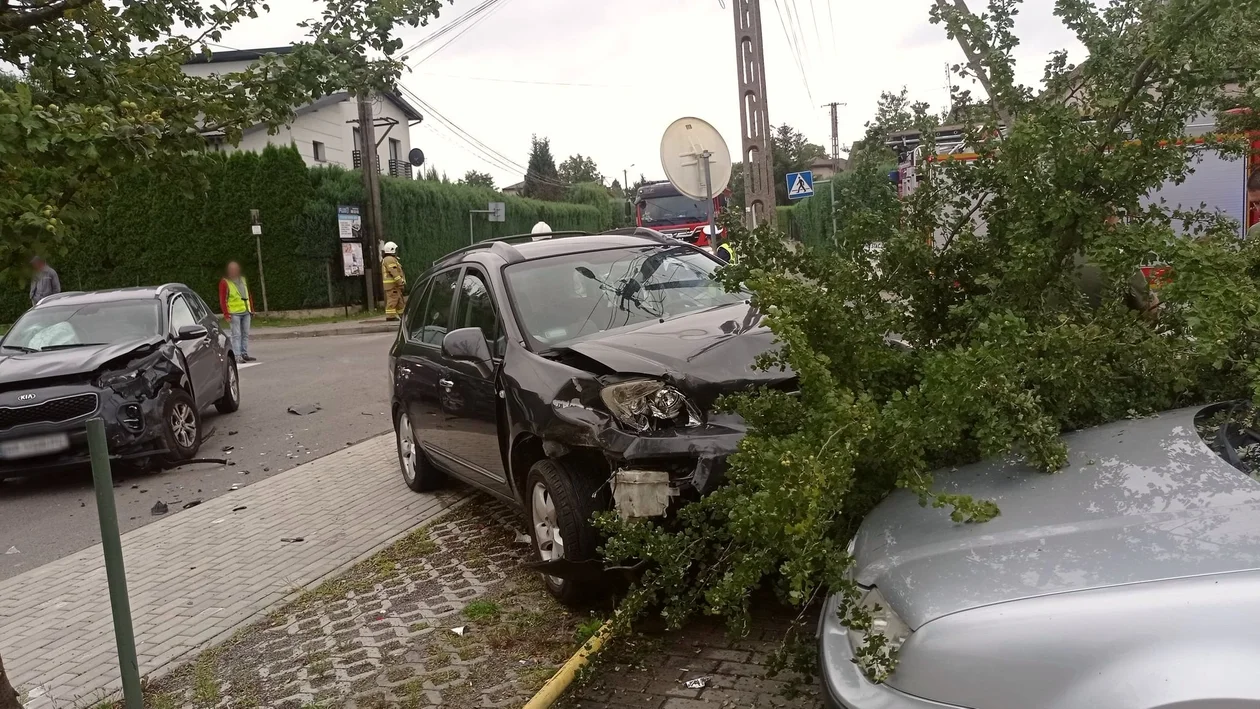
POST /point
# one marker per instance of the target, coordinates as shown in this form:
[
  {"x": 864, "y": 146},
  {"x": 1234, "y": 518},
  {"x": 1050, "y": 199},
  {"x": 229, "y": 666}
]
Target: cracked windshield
[{"x": 568, "y": 297}]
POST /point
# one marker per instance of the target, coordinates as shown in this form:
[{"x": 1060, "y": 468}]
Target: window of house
[
  {"x": 317, "y": 148},
  {"x": 395, "y": 149}
]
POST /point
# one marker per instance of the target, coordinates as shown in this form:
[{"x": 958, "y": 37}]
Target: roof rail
[
  {"x": 642, "y": 231},
  {"x": 59, "y": 296},
  {"x": 507, "y": 241}
]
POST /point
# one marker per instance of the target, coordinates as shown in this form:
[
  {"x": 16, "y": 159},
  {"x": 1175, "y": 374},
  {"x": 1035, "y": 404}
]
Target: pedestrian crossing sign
[{"x": 800, "y": 184}]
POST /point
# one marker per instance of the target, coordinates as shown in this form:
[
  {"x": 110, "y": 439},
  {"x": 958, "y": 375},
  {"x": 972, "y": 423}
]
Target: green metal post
[{"x": 124, "y": 634}]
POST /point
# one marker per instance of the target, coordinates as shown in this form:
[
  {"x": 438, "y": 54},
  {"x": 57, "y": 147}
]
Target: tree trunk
[{"x": 8, "y": 695}]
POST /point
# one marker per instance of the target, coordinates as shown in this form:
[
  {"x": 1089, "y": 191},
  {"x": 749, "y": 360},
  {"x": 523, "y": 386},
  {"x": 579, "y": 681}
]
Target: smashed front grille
[{"x": 55, "y": 411}]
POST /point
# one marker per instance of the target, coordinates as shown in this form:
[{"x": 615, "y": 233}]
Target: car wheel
[
  {"x": 420, "y": 474},
  {"x": 231, "y": 400},
  {"x": 560, "y": 503},
  {"x": 181, "y": 426}
]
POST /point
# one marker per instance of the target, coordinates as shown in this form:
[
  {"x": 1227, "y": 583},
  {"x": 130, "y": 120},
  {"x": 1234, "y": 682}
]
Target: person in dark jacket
[{"x": 45, "y": 281}]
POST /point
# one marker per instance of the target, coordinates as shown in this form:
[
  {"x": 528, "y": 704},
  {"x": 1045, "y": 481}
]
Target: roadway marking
[{"x": 247, "y": 365}]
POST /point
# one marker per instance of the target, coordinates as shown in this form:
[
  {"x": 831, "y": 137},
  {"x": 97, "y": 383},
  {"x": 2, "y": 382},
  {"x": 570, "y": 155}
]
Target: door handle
[{"x": 446, "y": 383}]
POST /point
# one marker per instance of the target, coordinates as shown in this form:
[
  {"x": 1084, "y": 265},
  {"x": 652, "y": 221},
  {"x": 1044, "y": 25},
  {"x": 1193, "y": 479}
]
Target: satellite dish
[
  {"x": 416, "y": 157},
  {"x": 682, "y": 155}
]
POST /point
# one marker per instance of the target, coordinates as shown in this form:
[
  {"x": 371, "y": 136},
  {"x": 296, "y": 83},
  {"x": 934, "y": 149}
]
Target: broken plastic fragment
[
  {"x": 697, "y": 683},
  {"x": 460, "y": 630},
  {"x": 192, "y": 504},
  {"x": 13, "y": 550},
  {"x": 290, "y": 540},
  {"x": 160, "y": 508},
  {"x": 304, "y": 410}
]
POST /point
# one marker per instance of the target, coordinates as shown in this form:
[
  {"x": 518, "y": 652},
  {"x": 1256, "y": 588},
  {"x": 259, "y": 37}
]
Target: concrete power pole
[
  {"x": 835, "y": 133},
  {"x": 754, "y": 117},
  {"x": 372, "y": 232}
]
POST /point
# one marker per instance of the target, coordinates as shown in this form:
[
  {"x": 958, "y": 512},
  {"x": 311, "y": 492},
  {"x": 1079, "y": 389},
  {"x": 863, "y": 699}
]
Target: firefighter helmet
[{"x": 390, "y": 248}]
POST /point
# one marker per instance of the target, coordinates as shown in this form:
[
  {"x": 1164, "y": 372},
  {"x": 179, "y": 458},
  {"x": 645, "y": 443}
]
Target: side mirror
[
  {"x": 466, "y": 343},
  {"x": 191, "y": 332}
]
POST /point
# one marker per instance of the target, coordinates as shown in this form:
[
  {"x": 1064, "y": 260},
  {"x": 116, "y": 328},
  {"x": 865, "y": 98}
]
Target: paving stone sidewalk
[
  {"x": 198, "y": 575},
  {"x": 731, "y": 673},
  {"x": 445, "y": 617}
]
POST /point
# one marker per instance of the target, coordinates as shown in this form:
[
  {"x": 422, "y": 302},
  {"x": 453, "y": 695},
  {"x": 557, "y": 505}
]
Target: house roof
[{"x": 238, "y": 55}]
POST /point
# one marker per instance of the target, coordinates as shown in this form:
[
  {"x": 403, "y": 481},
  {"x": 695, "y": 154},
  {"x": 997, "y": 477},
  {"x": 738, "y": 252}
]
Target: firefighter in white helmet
[
  {"x": 394, "y": 281},
  {"x": 541, "y": 228}
]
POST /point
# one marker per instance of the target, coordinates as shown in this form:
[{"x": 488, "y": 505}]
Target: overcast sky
[{"x": 609, "y": 75}]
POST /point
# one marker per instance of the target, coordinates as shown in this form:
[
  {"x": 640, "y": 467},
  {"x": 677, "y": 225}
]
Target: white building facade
[{"x": 325, "y": 132}]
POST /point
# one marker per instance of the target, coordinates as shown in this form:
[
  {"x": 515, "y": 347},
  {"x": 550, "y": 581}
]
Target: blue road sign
[{"x": 800, "y": 184}]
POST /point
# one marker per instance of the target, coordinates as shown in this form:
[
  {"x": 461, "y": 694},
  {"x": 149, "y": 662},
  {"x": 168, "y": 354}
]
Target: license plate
[{"x": 34, "y": 446}]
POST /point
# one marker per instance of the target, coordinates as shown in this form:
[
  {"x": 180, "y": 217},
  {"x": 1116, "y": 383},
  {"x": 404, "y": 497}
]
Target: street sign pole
[
  {"x": 708, "y": 188},
  {"x": 115, "y": 574},
  {"x": 471, "y": 212},
  {"x": 256, "y": 227}
]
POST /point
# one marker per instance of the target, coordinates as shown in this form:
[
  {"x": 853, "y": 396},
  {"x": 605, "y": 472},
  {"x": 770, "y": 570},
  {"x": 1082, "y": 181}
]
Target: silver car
[{"x": 1128, "y": 580}]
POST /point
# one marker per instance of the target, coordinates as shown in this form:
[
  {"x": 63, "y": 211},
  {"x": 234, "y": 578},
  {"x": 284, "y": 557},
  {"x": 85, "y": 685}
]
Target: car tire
[
  {"x": 231, "y": 400},
  {"x": 420, "y": 474},
  {"x": 559, "y": 503},
  {"x": 181, "y": 426}
]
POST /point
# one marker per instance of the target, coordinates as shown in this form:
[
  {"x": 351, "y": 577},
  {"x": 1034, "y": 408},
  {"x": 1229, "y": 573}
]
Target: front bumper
[
  {"x": 843, "y": 684},
  {"x": 124, "y": 443},
  {"x": 695, "y": 457}
]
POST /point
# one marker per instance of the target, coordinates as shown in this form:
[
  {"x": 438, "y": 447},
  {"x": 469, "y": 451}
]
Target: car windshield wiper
[
  {"x": 69, "y": 346},
  {"x": 19, "y": 348}
]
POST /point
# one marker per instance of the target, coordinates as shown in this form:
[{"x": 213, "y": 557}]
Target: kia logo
[{"x": 26, "y": 397}]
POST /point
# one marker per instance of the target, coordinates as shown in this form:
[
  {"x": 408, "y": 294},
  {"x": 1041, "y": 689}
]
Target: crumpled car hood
[
  {"x": 705, "y": 354},
  {"x": 18, "y": 368},
  {"x": 1140, "y": 500}
]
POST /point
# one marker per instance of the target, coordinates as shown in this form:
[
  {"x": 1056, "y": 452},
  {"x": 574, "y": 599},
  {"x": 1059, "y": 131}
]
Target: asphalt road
[{"x": 50, "y": 517}]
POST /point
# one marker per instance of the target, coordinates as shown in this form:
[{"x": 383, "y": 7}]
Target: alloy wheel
[
  {"x": 407, "y": 448},
  {"x": 234, "y": 383},
  {"x": 184, "y": 425},
  {"x": 546, "y": 526}
]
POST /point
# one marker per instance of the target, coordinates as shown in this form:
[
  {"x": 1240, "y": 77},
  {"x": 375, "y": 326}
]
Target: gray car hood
[{"x": 1140, "y": 500}]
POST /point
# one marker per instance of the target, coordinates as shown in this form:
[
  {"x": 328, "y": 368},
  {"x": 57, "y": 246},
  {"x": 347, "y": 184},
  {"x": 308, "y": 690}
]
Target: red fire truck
[{"x": 660, "y": 206}]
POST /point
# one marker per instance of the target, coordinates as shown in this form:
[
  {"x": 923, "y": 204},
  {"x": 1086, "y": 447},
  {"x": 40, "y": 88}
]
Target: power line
[
  {"x": 502, "y": 160},
  {"x": 796, "y": 55},
  {"x": 454, "y": 24},
  {"x": 526, "y": 81},
  {"x": 496, "y": 5}
]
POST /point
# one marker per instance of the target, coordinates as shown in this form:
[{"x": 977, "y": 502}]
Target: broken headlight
[{"x": 645, "y": 404}]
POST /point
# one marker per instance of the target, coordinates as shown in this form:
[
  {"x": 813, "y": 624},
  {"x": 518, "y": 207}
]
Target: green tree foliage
[
  {"x": 578, "y": 168},
  {"x": 611, "y": 209},
  {"x": 91, "y": 104},
  {"x": 1004, "y": 350},
  {"x": 477, "y": 179},
  {"x": 542, "y": 181}
]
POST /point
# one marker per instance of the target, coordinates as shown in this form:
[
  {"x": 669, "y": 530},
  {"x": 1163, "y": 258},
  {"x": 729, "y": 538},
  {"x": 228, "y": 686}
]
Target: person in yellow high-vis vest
[
  {"x": 237, "y": 305},
  {"x": 394, "y": 281},
  {"x": 726, "y": 252}
]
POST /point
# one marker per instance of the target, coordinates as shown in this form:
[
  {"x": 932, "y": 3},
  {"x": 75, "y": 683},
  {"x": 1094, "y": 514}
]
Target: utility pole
[
  {"x": 835, "y": 159},
  {"x": 754, "y": 118},
  {"x": 835, "y": 133},
  {"x": 372, "y": 232}
]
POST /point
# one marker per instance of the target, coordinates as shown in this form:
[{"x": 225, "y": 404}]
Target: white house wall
[{"x": 329, "y": 125}]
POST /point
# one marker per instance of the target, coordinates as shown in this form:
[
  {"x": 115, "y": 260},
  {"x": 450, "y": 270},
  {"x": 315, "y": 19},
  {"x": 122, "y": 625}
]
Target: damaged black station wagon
[
  {"x": 572, "y": 373},
  {"x": 145, "y": 360}
]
